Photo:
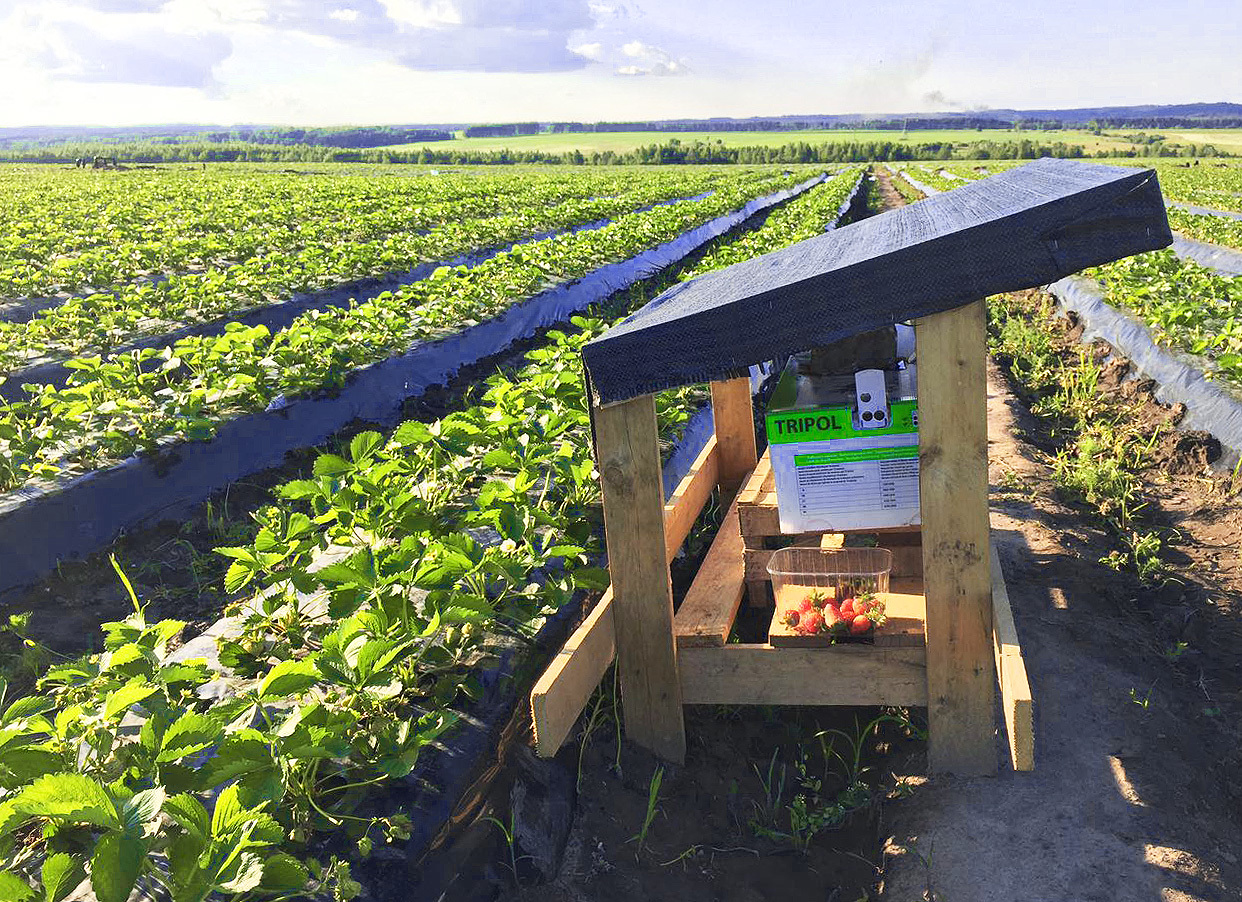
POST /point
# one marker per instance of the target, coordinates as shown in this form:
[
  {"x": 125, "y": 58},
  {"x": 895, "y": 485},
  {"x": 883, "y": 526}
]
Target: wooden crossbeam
[{"x": 763, "y": 675}]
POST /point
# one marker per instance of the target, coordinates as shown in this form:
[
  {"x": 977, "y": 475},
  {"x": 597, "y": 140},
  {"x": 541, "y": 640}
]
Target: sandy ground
[{"x": 1124, "y": 803}]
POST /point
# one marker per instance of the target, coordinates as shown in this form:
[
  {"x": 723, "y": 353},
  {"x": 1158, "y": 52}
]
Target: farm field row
[
  {"x": 117, "y": 406},
  {"x": 98, "y": 321},
  {"x": 450, "y": 541},
  {"x": 68, "y": 230}
]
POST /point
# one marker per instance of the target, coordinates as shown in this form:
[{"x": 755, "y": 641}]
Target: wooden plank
[
  {"x": 1019, "y": 713},
  {"x": 754, "y": 483},
  {"x": 1004, "y": 630},
  {"x": 756, "y": 517},
  {"x": 757, "y": 593},
  {"x": 559, "y": 696},
  {"x": 763, "y": 675},
  {"x": 628, "y": 458},
  {"x": 953, "y": 490},
  {"x": 905, "y": 607},
  {"x": 1015, "y": 689},
  {"x": 686, "y": 503},
  {"x": 734, "y": 418},
  {"x": 706, "y": 615},
  {"x": 566, "y": 685}
]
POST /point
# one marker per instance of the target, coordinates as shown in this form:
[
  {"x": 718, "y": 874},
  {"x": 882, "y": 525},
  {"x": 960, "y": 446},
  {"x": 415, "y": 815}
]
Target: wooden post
[
  {"x": 735, "y": 434},
  {"x": 953, "y": 490},
  {"x": 628, "y": 456}
]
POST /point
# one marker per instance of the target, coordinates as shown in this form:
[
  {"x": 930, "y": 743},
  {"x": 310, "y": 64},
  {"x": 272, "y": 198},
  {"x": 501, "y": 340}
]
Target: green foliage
[
  {"x": 115, "y": 407},
  {"x": 376, "y": 589}
]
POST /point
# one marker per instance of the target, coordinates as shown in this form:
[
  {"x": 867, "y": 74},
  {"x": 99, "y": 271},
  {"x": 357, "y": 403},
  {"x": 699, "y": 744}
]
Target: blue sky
[{"x": 117, "y": 62}]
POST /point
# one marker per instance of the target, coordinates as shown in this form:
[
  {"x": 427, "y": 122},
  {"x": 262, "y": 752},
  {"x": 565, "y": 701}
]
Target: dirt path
[
  {"x": 1125, "y": 802},
  {"x": 890, "y": 197}
]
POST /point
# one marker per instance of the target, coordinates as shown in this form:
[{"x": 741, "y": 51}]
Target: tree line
[{"x": 672, "y": 151}]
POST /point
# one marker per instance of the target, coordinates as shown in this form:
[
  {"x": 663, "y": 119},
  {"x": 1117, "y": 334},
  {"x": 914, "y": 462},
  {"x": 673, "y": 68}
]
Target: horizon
[
  {"x": 869, "y": 117},
  {"x": 133, "y": 63}
]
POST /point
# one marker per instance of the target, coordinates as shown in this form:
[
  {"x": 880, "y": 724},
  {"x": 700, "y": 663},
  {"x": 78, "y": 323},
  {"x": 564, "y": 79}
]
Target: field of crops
[
  {"x": 385, "y": 581},
  {"x": 381, "y": 583}
]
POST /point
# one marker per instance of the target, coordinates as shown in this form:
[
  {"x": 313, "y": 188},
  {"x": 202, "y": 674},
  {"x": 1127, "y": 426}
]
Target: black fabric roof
[{"x": 1026, "y": 227}]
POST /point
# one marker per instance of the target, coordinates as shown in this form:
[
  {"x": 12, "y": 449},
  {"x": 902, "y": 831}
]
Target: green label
[
  {"x": 849, "y": 457},
  {"x": 827, "y": 423}
]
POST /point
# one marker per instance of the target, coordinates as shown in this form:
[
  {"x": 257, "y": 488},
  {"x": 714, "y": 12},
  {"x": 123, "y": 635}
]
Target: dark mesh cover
[{"x": 1026, "y": 227}]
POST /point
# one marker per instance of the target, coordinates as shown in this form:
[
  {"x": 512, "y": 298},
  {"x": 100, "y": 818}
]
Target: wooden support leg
[
  {"x": 628, "y": 457},
  {"x": 953, "y": 489},
  {"x": 735, "y": 434}
]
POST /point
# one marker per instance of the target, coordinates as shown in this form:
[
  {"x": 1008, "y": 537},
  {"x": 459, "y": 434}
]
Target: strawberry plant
[
  {"x": 374, "y": 591},
  {"x": 114, "y": 408}
]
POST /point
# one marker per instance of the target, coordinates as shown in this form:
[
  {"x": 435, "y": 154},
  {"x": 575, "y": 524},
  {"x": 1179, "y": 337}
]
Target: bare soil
[
  {"x": 890, "y": 197},
  {"x": 702, "y": 844},
  {"x": 1135, "y": 793}
]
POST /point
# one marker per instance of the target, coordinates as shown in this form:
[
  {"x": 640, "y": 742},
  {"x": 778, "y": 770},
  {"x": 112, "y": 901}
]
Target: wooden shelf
[
  {"x": 906, "y": 626},
  {"x": 842, "y": 675}
]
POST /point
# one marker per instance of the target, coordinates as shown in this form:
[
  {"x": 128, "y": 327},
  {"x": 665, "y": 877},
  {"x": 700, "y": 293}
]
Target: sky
[{"x": 343, "y": 62}]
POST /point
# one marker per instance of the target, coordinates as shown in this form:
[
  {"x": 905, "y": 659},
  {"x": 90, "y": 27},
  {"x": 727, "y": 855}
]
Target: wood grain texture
[
  {"x": 561, "y": 693},
  {"x": 763, "y": 675},
  {"x": 628, "y": 457},
  {"x": 566, "y": 685},
  {"x": 686, "y": 503},
  {"x": 957, "y": 578},
  {"x": 734, "y": 417},
  {"x": 706, "y": 615},
  {"x": 1016, "y": 700}
]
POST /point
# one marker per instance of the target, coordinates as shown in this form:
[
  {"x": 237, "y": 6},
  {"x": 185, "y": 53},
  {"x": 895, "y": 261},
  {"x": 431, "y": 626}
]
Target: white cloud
[
  {"x": 111, "y": 43},
  {"x": 650, "y": 60},
  {"x": 594, "y": 52}
]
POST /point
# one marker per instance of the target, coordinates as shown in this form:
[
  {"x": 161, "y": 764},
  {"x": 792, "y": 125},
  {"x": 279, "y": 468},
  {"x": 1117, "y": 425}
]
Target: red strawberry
[
  {"x": 811, "y": 624},
  {"x": 832, "y": 618},
  {"x": 805, "y": 606},
  {"x": 790, "y": 618},
  {"x": 847, "y": 609},
  {"x": 860, "y": 625}
]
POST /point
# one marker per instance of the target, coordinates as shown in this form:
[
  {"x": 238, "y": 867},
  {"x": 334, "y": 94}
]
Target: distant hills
[{"x": 1146, "y": 116}]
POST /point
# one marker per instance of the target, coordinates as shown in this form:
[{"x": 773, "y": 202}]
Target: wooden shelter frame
[{"x": 956, "y": 588}]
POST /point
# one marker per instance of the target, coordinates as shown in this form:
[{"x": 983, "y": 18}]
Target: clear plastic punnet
[{"x": 839, "y": 573}]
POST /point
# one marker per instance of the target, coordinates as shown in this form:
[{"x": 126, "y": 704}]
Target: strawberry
[
  {"x": 811, "y": 624},
  {"x": 847, "y": 609},
  {"x": 805, "y": 606},
  {"x": 832, "y": 618},
  {"x": 791, "y": 618},
  {"x": 860, "y": 624},
  {"x": 817, "y": 599}
]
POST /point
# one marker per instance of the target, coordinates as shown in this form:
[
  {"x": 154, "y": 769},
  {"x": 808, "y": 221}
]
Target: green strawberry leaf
[
  {"x": 69, "y": 797},
  {"x": 288, "y": 678},
  {"x": 188, "y": 734},
  {"x": 61, "y": 874},
  {"x": 116, "y": 866}
]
